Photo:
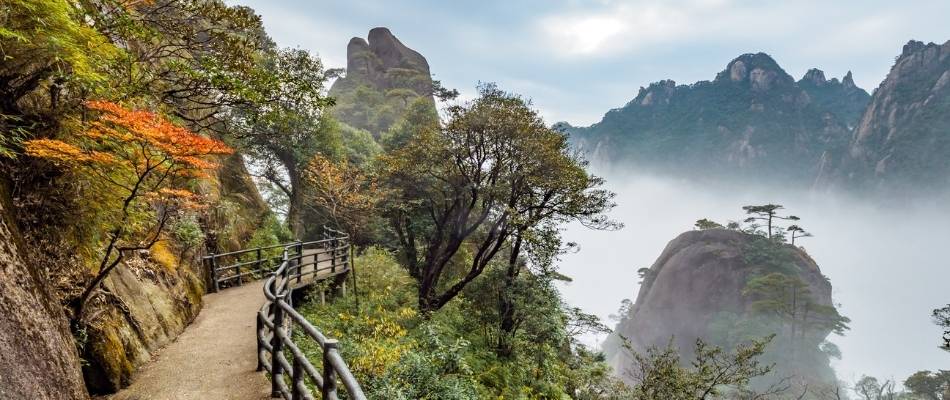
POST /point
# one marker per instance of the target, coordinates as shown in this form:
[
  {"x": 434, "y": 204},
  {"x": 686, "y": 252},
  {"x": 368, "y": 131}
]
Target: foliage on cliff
[
  {"x": 134, "y": 162},
  {"x": 168, "y": 78}
]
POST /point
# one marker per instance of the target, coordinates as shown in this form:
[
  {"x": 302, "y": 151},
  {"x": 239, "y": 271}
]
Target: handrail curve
[{"x": 301, "y": 264}]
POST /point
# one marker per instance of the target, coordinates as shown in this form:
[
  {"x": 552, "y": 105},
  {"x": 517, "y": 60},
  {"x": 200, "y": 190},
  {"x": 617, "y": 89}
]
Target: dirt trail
[{"x": 213, "y": 359}]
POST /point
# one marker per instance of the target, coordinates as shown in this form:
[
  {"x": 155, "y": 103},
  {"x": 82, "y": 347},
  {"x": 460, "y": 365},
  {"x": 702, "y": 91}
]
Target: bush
[{"x": 395, "y": 353}]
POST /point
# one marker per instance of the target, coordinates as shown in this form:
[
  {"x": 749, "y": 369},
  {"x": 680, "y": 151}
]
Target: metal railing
[
  {"x": 301, "y": 264},
  {"x": 242, "y": 265}
]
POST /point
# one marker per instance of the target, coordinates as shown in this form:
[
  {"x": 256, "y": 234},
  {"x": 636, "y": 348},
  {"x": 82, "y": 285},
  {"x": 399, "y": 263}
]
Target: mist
[{"x": 886, "y": 261}]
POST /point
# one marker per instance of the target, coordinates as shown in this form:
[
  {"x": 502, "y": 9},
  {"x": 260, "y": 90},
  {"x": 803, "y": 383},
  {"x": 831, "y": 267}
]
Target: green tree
[
  {"x": 869, "y": 388},
  {"x": 402, "y": 94},
  {"x": 660, "y": 374},
  {"x": 930, "y": 385},
  {"x": 789, "y": 298},
  {"x": 283, "y": 136},
  {"x": 359, "y": 145},
  {"x": 419, "y": 118},
  {"x": 704, "y": 224},
  {"x": 492, "y": 172},
  {"x": 797, "y": 232},
  {"x": 941, "y": 317},
  {"x": 197, "y": 58},
  {"x": 768, "y": 213}
]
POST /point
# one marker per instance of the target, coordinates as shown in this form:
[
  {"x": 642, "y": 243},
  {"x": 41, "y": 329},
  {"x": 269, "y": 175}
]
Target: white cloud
[
  {"x": 586, "y": 35},
  {"x": 619, "y": 27}
]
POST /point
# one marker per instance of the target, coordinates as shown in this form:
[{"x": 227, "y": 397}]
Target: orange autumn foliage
[
  {"x": 126, "y": 146},
  {"x": 143, "y": 161}
]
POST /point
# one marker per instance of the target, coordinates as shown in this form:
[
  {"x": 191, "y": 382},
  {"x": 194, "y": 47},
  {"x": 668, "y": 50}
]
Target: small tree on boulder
[
  {"x": 767, "y": 213},
  {"x": 797, "y": 232}
]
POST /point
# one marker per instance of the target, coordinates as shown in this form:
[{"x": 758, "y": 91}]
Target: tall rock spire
[
  {"x": 848, "y": 81},
  {"x": 383, "y": 77}
]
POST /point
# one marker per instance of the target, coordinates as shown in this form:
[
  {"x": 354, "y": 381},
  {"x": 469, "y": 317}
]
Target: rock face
[
  {"x": 37, "y": 354},
  {"x": 753, "y": 119},
  {"x": 842, "y": 97},
  {"x": 903, "y": 138},
  {"x": 699, "y": 277},
  {"x": 146, "y": 302},
  {"x": 383, "y": 77}
]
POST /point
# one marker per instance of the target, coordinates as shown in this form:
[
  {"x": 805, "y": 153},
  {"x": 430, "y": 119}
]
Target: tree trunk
[
  {"x": 427, "y": 301},
  {"x": 507, "y": 303},
  {"x": 295, "y": 204},
  {"x": 294, "y": 216}
]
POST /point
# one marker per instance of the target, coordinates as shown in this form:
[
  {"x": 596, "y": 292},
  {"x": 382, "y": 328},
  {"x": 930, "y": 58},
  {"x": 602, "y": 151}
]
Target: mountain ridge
[
  {"x": 902, "y": 140},
  {"x": 752, "y": 118}
]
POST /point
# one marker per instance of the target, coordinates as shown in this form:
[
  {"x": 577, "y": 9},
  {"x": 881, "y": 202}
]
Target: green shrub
[{"x": 397, "y": 354}]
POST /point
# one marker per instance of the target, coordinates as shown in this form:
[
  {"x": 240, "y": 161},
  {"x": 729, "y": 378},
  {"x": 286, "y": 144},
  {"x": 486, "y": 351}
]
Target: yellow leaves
[
  {"x": 62, "y": 153},
  {"x": 408, "y": 312},
  {"x": 377, "y": 357},
  {"x": 341, "y": 191},
  {"x": 383, "y": 344},
  {"x": 162, "y": 254}
]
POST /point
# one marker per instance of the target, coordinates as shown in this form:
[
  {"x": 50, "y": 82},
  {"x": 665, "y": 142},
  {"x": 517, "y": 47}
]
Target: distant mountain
[
  {"x": 752, "y": 120},
  {"x": 902, "y": 141},
  {"x": 383, "y": 77}
]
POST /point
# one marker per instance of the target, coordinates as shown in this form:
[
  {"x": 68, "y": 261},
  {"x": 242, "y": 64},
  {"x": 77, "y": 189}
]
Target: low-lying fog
[{"x": 888, "y": 264}]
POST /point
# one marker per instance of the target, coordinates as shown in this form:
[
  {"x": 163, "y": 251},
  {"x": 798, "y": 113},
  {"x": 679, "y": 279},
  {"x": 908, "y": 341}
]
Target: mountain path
[{"x": 214, "y": 358}]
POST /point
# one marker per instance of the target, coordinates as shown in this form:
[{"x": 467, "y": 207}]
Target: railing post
[
  {"x": 259, "y": 338},
  {"x": 260, "y": 262},
  {"x": 237, "y": 270},
  {"x": 299, "y": 260},
  {"x": 296, "y": 380},
  {"x": 214, "y": 273},
  {"x": 356, "y": 292},
  {"x": 299, "y": 268},
  {"x": 333, "y": 243},
  {"x": 277, "y": 346},
  {"x": 329, "y": 374}
]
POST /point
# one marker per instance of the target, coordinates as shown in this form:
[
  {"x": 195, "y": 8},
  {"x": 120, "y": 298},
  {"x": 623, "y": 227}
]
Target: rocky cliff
[
  {"x": 145, "y": 303},
  {"x": 841, "y": 97},
  {"x": 903, "y": 138},
  {"x": 697, "y": 288},
  {"x": 383, "y": 77},
  {"x": 752, "y": 120},
  {"x": 38, "y": 358}
]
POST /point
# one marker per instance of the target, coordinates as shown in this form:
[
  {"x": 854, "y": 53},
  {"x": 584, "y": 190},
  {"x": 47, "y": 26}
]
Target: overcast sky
[{"x": 579, "y": 58}]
